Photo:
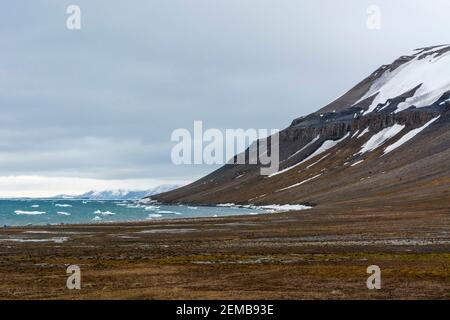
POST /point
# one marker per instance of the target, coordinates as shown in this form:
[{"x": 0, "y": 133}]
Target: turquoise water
[{"x": 44, "y": 212}]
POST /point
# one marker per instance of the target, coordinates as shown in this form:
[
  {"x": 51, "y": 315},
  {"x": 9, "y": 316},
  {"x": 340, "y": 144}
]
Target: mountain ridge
[
  {"x": 113, "y": 194},
  {"x": 122, "y": 194}
]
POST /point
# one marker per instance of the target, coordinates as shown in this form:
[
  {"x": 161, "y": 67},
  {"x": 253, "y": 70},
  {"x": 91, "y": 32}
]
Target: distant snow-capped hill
[
  {"x": 125, "y": 194},
  {"x": 120, "y": 194},
  {"x": 112, "y": 195}
]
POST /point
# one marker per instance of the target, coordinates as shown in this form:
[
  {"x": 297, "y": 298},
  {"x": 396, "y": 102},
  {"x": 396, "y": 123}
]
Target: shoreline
[{"x": 269, "y": 209}]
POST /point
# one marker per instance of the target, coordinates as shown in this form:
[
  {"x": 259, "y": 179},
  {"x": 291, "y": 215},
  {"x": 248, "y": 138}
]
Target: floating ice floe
[
  {"x": 133, "y": 206},
  {"x": 154, "y": 215},
  {"x": 29, "y": 213},
  {"x": 167, "y": 212},
  {"x": 62, "y": 213},
  {"x": 151, "y": 208},
  {"x": 225, "y": 205},
  {"x": 63, "y": 205},
  {"x": 35, "y": 206},
  {"x": 104, "y": 213},
  {"x": 107, "y": 213},
  {"x": 148, "y": 201}
]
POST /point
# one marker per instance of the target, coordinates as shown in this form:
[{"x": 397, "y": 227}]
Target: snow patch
[
  {"x": 356, "y": 163},
  {"x": 306, "y": 146},
  {"x": 284, "y": 207},
  {"x": 300, "y": 183},
  {"x": 408, "y": 136},
  {"x": 22, "y": 240},
  {"x": 328, "y": 144},
  {"x": 313, "y": 164},
  {"x": 363, "y": 133},
  {"x": 381, "y": 137}
]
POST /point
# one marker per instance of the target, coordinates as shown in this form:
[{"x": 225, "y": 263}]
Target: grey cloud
[{"x": 102, "y": 102}]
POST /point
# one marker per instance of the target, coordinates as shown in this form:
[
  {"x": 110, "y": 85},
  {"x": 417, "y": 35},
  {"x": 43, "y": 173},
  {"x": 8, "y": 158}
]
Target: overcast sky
[{"x": 94, "y": 108}]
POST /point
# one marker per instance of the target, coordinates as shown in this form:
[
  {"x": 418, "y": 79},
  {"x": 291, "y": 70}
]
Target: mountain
[
  {"x": 121, "y": 194},
  {"x": 384, "y": 143},
  {"x": 114, "y": 195}
]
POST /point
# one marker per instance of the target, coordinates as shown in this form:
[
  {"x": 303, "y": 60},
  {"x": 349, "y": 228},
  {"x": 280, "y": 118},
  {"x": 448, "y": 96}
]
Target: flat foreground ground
[{"x": 321, "y": 253}]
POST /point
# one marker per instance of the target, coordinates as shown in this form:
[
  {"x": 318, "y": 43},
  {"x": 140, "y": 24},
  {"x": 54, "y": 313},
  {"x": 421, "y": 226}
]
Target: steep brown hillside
[{"x": 386, "y": 141}]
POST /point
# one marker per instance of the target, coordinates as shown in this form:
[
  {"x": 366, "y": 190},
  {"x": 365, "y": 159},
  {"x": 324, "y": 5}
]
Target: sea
[{"x": 23, "y": 212}]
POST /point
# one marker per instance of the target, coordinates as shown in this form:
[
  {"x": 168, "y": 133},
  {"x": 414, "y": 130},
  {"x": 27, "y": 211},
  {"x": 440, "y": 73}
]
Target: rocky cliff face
[{"x": 388, "y": 137}]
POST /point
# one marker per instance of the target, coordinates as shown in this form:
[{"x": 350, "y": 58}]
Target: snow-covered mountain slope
[
  {"x": 421, "y": 78},
  {"x": 387, "y": 139},
  {"x": 426, "y": 76},
  {"x": 112, "y": 195}
]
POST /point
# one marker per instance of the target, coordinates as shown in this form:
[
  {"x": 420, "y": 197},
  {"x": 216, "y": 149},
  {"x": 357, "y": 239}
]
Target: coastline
[
  {"x": 319, "y": 253},
  {"x": 262, "y": 209}
]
